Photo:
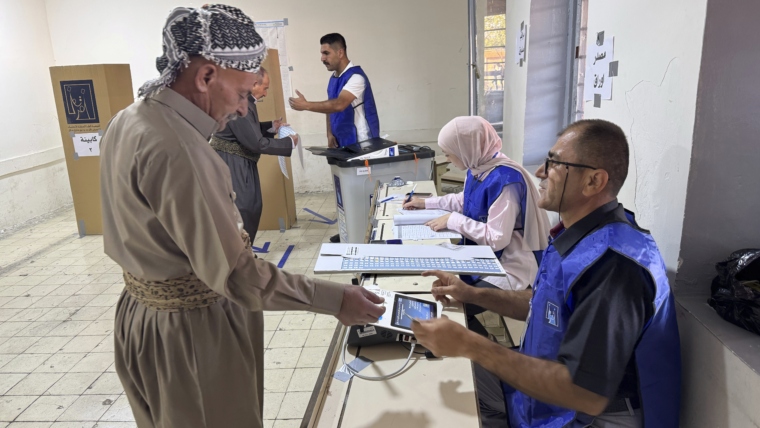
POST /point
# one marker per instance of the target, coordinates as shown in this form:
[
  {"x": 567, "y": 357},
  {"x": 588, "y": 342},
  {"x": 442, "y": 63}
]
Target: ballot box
[{"x": 354, "y": 182}]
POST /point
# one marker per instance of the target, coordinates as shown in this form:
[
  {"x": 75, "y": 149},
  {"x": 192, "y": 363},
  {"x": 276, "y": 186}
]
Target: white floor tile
[
  {"x": 25, "y": 363},
  {"x": 119, "y": 412},
  {"x": 296, "y": 322},
  {"x": 9, "y": 380},
  {"x": 288, "y": 339},
  {"x": 303, "y": 380},
  {"x": 88, "y": 408},
  {"x": 59, "y": 363},
  {"x": 277, "y": 380},
  {"x": 294, "y": 405},
  {"x": 319, "y": 338},
  {"x": 48, "y": 408},
  {"x": 12, "y": 406},
  {"x": 281, "y": 358},
  {"x": 312, "y": 357},
  {"x": 93, "y": 362},
  {"x": 81, "y": 344},
  {"x": 73, "y": 383},
  {"x": 107, "y": 384},
  {"x": 35, "y": 384},
  {"x": 272, "y": 403}
]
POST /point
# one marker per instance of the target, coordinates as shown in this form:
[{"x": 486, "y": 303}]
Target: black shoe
[{"x": 335, "y": 238}]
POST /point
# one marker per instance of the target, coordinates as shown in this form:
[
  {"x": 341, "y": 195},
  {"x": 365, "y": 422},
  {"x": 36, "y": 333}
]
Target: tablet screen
[{"x": 406, "y": 308}]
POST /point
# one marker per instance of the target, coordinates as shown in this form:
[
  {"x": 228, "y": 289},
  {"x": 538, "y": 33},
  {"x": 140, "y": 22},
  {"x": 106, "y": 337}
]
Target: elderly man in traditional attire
[
  {"x": 189, "y": 327},
  {"x": 242, "y": 143}
]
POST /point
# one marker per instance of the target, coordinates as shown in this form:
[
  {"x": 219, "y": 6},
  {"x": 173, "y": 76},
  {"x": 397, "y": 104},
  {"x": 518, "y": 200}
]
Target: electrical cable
[{"x": 356, "y": 372}]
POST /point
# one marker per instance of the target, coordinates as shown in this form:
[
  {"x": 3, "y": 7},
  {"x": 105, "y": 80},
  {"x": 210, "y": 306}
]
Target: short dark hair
[
  {"x": 603, "y": 145},
  {"x": 333, "y": 39}
]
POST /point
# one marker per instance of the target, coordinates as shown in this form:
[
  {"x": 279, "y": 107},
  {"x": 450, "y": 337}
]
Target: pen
[{"x": 411, "y": 194}]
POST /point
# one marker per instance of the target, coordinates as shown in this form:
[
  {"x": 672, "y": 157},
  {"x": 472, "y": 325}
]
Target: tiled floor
[{"x": 57, "y": 297}]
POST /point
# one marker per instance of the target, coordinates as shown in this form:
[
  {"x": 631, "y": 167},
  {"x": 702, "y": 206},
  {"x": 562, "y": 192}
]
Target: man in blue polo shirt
[
  {"x": 350, "y": 108},
  {"x": 601, "y": 346}
]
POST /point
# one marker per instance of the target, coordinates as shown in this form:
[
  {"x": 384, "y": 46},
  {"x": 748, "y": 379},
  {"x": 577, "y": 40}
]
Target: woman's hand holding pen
[{"x": 415, "y": 204}]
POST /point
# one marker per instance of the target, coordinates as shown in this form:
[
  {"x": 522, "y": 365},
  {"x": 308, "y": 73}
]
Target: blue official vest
[
  {"x": 480, "y": 195},
  {"x": 342, "y": 123},
  {"x": 658, "y": 353}
]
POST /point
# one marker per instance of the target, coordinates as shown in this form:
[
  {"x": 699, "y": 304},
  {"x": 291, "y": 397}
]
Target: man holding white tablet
[{"x": 601, "y": 347}]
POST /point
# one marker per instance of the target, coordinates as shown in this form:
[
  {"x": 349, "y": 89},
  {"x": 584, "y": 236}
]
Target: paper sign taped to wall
[
  {"x": 87, "y": 144},
  {"x": 598, "y": 80}
]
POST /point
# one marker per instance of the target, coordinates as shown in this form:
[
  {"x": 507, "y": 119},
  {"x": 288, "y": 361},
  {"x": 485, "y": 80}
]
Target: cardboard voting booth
[
  {"x": 277, "y": 191},
  {"x": 86, "y": 98}
]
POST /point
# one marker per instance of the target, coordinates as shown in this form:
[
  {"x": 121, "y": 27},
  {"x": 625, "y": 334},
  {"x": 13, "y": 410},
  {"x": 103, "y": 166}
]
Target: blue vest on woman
[
  {"x": 342, "y": 123},
  {"x": 658, "y": 353},
  {"x": 480, "y": 195}
]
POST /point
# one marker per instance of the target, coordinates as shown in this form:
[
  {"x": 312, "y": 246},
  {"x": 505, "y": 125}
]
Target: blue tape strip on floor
[
  {"x": 326, "y": 220},
  {"x": 285, "y": 256},
  {"x": 264, "y": 249}
]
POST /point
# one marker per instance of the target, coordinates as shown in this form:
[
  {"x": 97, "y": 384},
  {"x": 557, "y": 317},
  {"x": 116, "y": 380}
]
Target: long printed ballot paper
[{"x": 407, "y": 259}]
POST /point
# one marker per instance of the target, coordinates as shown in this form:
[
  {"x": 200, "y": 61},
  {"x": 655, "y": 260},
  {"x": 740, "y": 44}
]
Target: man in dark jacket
[{"x": 241, "y": 144}]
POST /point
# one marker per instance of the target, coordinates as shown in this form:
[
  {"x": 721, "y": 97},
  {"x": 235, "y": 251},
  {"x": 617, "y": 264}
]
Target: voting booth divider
[
  {"x": 277, "y": 190},
  {"x": 86, "y": 98}
]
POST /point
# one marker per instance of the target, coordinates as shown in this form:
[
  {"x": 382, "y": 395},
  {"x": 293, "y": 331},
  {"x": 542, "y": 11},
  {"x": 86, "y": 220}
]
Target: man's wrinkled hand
[
  {"x": 443, "y": 337},
  {"x": 415, "y": 204},
  {"x": 298, "y": 103},
  {"x": 441, "y": 223},
  {"x": 449, "y": 285},
  {"x": 277, "y": 123},
  {"x": 360, "y": 306}
]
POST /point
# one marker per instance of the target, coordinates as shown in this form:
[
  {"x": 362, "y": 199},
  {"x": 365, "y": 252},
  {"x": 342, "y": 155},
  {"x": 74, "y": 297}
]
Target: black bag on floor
[{"x": 736, "y": 289}]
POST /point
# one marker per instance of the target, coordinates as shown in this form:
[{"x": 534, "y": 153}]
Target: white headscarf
[{"x": 474, "y": 141}]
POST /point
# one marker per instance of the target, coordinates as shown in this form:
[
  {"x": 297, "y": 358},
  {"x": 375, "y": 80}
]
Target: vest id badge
[{"x": 552, "y": 314}]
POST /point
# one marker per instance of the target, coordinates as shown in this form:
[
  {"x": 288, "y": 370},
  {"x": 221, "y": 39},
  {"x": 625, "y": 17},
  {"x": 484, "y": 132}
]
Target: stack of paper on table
[
  {"x": 403, "y": 259},
  {"x": 417, "y": 216},
  {"x": 415, "y": 232}
]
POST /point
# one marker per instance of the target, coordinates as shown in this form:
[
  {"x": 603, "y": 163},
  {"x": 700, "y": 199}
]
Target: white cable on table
[{"x": 356, "y": 373}]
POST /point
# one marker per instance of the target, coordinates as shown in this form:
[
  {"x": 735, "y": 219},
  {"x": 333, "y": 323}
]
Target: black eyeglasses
[{"x": 547, "y": 161}]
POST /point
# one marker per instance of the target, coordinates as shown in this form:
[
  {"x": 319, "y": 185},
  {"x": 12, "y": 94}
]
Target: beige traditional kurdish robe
[{"x": 168, "y": 211}]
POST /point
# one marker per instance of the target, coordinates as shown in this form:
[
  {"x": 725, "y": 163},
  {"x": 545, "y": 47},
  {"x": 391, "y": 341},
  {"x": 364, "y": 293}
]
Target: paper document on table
[
  {"x": 415, "y": 232},
  {"x": 405, "y": 217}
]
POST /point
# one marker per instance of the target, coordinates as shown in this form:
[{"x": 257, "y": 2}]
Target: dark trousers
[
  {"x": 247, "y": 187},
  {"x": 495, "y": 414},
  {"x": 471, "y": 310}
]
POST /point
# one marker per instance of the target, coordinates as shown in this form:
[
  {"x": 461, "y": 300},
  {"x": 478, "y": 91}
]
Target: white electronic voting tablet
[{"x": 400, "y": 309}]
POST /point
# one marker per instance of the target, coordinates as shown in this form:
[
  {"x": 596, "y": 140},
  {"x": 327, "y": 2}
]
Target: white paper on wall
[
  {"x": 597, "y": 79},
  {"x": 87, "y": 144}
]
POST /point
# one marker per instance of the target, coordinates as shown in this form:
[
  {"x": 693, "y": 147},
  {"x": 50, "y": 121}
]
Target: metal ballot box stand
[{"x": 354, "y": 182}]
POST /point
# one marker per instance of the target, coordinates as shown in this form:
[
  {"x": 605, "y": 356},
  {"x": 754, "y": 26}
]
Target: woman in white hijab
[{"x": 498, "y": 206}]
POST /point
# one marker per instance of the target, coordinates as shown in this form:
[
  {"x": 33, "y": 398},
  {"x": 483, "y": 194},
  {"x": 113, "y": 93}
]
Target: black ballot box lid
[{"x": 340, "y": 156}]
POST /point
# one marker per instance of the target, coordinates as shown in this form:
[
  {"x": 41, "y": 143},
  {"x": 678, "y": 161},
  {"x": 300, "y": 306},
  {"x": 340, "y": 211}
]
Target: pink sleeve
[
  {"x": 497, "y": 232},
  {"x": 453, "y": 202}
]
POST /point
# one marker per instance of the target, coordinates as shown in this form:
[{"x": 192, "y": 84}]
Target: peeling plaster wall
[{"x": 659, "y": 46}]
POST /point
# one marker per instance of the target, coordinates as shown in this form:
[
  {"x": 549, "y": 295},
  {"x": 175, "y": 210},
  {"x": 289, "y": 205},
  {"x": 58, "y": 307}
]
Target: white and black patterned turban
[{"x": 220, "y": 33}]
